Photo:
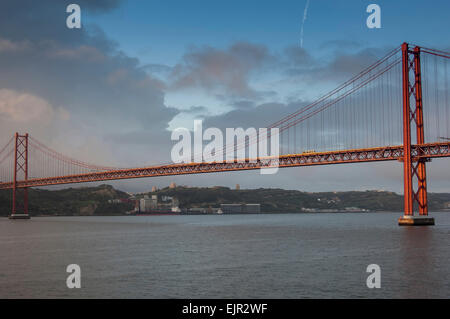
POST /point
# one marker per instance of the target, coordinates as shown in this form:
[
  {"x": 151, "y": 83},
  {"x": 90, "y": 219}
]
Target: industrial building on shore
[{"x": 240, "y": 208}]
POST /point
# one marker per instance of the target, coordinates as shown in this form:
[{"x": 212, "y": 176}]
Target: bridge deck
[{"x": 390, "y": 153}]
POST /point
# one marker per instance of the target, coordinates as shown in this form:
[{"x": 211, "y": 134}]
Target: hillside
[
  {"x": 95, "y": 200},
  {"x": 70, "y": 201},
  {"x": 292, "y": 201}
]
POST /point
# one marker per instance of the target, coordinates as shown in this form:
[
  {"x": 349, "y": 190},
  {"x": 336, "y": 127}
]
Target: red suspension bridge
[{"x": 397, "y": 109}]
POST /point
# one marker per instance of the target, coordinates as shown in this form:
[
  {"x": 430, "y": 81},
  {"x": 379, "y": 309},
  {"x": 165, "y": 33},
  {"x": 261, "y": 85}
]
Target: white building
[{"x": 146, "y": 204}]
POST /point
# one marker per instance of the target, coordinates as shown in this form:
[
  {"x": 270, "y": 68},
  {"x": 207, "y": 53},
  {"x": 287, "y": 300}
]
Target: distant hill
[
  {"x": 98, "y": 200},
  {"x": 70, "y": 201},
  {"x": 293, "y": 201}
]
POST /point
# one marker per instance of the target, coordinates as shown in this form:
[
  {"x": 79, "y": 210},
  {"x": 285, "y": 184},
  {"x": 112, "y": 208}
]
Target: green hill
[
  {"x": 97, "y": 200},
  {"x": 291, "y": 201},
  {"x": 70, "y": 201}
]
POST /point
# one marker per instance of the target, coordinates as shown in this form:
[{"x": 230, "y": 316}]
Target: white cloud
[
  {"x": 25, "y": 108},
  {"x": 87, "y": 53},
  {"x": 13, "y": 46}
]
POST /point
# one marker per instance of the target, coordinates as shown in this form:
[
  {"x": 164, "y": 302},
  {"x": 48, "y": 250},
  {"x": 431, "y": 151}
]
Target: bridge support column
[
  {"x": 414, "y": 167},
  {"x": 20, "y": 195}
]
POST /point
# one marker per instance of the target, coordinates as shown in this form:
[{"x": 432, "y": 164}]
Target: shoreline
[{"x": 246, "y": 214}]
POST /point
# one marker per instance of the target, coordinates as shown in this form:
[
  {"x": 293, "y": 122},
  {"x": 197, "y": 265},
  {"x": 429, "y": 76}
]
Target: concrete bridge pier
[
  {"x": 408, "y": 220},
  {"x": 19, "y": 216}
]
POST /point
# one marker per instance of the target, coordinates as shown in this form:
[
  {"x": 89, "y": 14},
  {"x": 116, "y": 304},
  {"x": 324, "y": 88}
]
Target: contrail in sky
[{"x": 305, "y": 15}]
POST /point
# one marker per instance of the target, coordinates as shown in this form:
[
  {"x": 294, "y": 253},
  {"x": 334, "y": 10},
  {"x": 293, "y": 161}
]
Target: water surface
[{"x": 225, "y": 256}]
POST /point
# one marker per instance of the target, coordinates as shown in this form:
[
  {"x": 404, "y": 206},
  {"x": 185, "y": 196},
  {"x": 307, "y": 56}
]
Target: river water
[{"x": 225, "y": 256}]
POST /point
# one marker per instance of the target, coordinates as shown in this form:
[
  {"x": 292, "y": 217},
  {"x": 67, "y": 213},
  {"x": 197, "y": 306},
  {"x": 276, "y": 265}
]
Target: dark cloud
[
  {"x": 244, "y": 104},
  {"x": 341, "y": 45},
  {"x": 198, "y": 110},
  {"x": 351, "y": 64},
  {"x": 296, "y": 61},
  {"x": 297, "y": 56},
  {"x": 157, "y": 68},
  {"x": 224, "y": 71},
  {"x": 339, "y": 66},
  {"x": 101, "y": 91},
  {"x": 259, "y": 116},
  {"x": 97, "y": 5},
  {"x": 46, "y": 21}
]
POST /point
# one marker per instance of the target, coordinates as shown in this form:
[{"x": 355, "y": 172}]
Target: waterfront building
[{"x": 240, "y": 208}]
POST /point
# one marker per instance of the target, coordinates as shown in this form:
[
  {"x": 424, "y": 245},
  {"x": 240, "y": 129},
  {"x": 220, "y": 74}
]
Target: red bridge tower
[
  {"x": 20, "y": 195},
  {"x": 414, "y": 167}
]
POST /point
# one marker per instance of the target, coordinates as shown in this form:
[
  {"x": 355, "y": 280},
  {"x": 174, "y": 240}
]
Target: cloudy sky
[{"x": 112, "y": 91}]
